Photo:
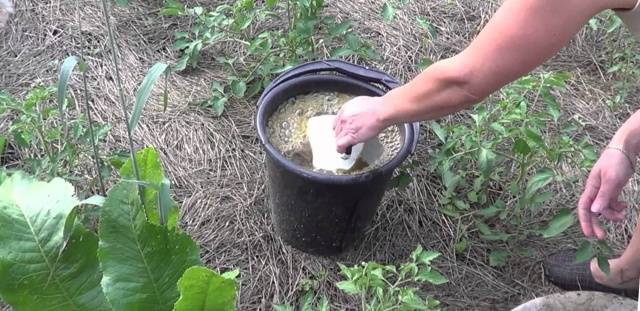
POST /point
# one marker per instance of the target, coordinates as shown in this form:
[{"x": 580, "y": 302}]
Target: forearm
[
  {"x": 628, "y": 135},
  {"x": 519, "y": 37}
]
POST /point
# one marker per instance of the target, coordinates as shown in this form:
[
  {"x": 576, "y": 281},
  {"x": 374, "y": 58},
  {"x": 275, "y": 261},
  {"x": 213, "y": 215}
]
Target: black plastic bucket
[{"x": 318, "y": 213}]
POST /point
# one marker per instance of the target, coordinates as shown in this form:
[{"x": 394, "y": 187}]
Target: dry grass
[{"x": 215, "y": 164}]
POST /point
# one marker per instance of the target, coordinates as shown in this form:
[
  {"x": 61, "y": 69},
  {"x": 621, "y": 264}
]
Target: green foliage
[
  {"x": 138, "y": 256},
  {"x": 383, "y": 287},
  {"x": 261, "y": 51},
  {"x": 42, "y": 268},
  {"x": 203, "y": 289},
  {"x": 143, "y": 93},
  {"x": 50, "y": 262},
  {"x": 52, "y": 145},
  {"x": 509, "y": 152},
  {"x": 388, "y": 11},
  {"x": 620, "y": 55},
  {"x": 152, "y": 177},
  {"x": 599, "y": 249}
]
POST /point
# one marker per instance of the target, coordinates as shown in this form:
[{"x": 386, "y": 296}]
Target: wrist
[
  {"x": 388, "y": 113},
  {"x": 628, "y": 140}
]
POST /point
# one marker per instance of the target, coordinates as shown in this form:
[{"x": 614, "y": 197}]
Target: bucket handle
[{"x": 347, "y": 69}]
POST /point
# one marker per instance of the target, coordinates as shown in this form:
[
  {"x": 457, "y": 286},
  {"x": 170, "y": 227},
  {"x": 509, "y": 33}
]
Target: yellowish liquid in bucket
[{"x": 287, "y": 131}]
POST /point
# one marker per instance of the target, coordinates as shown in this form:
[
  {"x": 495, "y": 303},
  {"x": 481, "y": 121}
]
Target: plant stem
[
  {"x": 113, "y": 46},
  {"x": 96, "y": 154}
]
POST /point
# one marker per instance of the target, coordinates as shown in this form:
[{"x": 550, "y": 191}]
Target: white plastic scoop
[{"x": 323, "y": 145}]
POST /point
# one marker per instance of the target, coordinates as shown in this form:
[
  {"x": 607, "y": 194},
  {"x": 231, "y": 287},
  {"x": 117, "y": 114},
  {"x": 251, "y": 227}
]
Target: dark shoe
[{"x": 561, "y": 271}]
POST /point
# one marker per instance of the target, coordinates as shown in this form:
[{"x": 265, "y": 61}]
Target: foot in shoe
[{"x": 620, "y": 276}]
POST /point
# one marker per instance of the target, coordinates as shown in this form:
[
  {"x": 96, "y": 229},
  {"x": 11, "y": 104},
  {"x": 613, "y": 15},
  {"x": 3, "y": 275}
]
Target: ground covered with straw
[{"x": 216, "y": 164}]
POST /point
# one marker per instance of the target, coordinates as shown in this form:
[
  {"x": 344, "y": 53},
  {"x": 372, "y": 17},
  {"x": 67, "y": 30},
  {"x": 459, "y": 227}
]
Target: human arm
[
  {"x": 608, "y": 177},
  {"x": 520, "y": 36}
]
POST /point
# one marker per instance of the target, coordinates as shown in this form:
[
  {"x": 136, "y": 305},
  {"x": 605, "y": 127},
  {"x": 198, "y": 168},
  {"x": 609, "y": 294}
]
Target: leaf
[
  {"x": 306, "y": 302},
  {"x": 63, "y": 80},
  {"x": 614, "y": 23},
  {"x": 140, "y": 257},
  {"x": 122, "y": 2},
  {"x": 238, "y": 88},
  {"x": 165, "y": 203},
  {"x": 485, "y": 160},
  {"x": 216, "y": 103},
  {"x": 401, "y": 181},
  {"x": 96, "y": 200},
  {"x": 387, "y": 12},
  {"x": 342, "y": 51},
  {"x": 520, "y": 146},
  {"x": 426, "y": 25},
  {"x": 3, "y": 142},
  {"x": 348, "y": 287},
  {"x": 561, "y": 222},
  {"x": 231, "y": 274},
  {"x": 205, "y": 290},
  {"x": 165, "y": 96},
  {"x": 151, "y": 172},
  {"x": 36, "y": 269},
  {"x": 534, "y": 137},
  {"x": 424, "y": 63},
  {"x": 498, "y": 258},
  {"x": 439, "y": 131},
  {"x": 282, "y": 308},
  {"x": 461, "y": 246},
  {"x": 143, "y": 93},
  {"x": 271, "y": 3},
  {"x": 339, "y": 29},
  {"x": 542, "y": 178},
  {"x": 603, "y": 264},
  {"x": 584, "y": 253},
  {"x": 432, "y": 276}
]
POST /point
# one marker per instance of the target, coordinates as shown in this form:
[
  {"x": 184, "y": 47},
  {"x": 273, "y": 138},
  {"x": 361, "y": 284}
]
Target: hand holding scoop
[{"x": 323, "y": 145}]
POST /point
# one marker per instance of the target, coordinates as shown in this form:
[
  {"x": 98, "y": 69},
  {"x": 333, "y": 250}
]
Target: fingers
[
  {"x": 584, "y": 205},
  {"x": 619, "y": 206},
  {"x": 345, "y": 141},
  {"x": 337, "y": 121},
  {"x": 613, "y": 215},
  {"x": 597, "y": 229}
]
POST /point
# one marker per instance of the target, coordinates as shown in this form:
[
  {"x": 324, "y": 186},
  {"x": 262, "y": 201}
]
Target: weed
[
  {"x": 52, "y": 145},
  {"x": 496, "y": 171},
  {"x": 261, "y": 52},
  {"x": 384, "y": 287}
]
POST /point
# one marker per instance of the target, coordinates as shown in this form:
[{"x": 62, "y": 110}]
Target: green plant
[
  {"x": 260, "y": 47},
  {"x": 139, "y": 258},
  {"x": 384, "y": 287},
  {"x": 52, "y": 145},
  {"x": 620, "y": 57},
  {"x": 496, "y": 169},
  {"x": 51, "y": 261}
]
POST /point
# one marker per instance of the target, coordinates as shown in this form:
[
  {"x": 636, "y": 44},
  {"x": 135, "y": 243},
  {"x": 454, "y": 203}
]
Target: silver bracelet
[{"x": 626, "y": 154}]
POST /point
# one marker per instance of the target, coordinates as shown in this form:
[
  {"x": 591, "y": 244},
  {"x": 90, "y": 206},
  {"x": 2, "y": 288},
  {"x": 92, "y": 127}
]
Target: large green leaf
[
  {"x": 204, "y": 290},
  {"x": 152, "y": 173},
  {"x": 38, "y": 268},
  {"x": 141, "y": 262},
  {"x": 143, "y": 93}
]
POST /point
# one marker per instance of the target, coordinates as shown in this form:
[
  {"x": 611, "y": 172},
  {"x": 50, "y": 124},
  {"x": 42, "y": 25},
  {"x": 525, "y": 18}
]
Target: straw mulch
[{"x": 216, "y": 164}]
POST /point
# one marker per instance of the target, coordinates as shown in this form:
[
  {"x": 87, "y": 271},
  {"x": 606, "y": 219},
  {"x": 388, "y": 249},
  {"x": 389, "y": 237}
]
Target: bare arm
[{"x": 519, "y": 37}]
